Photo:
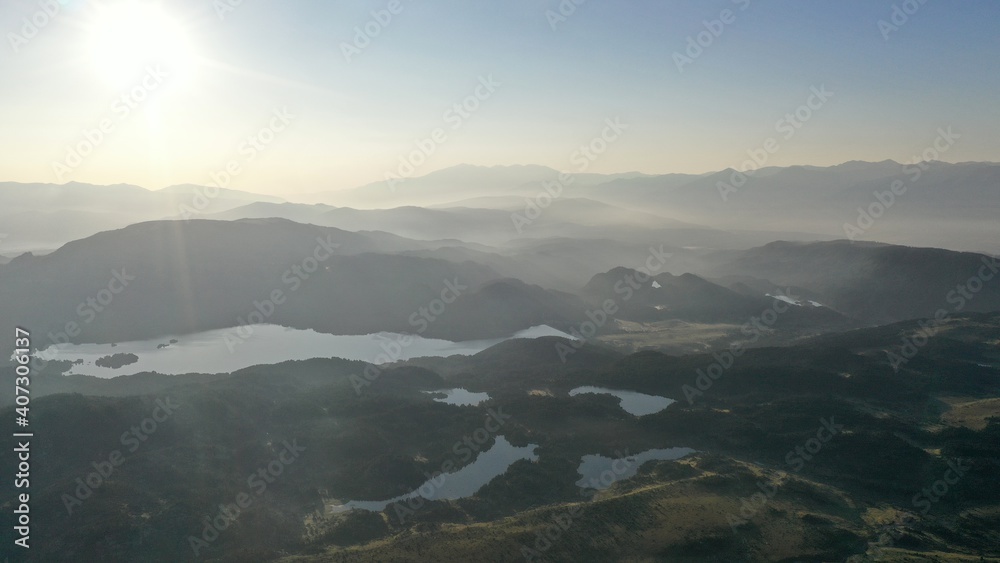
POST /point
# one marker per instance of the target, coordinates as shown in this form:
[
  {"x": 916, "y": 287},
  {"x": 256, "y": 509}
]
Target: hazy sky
[{"x": 219, "y": 79}]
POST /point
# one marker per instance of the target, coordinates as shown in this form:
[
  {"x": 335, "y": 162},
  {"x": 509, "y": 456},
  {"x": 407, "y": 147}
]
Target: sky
[{"x": 303, "y": 96}]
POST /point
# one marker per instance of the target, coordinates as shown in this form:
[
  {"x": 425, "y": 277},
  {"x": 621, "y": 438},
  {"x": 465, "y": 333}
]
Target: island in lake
[{"x": 116, "y": 361}]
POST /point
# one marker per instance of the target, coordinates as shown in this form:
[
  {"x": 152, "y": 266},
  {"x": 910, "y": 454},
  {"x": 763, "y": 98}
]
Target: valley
[{"x": 535, "y": 281}]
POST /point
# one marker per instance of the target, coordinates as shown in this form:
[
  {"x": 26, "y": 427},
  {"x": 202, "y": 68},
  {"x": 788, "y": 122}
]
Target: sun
[{"x": 128, "y": 36}]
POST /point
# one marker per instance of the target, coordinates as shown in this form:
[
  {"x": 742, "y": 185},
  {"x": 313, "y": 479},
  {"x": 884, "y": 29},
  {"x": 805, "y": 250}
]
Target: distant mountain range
[
  {"x": 45, "y": 216},
  {"x": 937, "y": 204},
  {"x": 173, "y": 277},
  {"x": 176, "y": 277},
  {"x": 877, "y": 283},
  {"x": 933, "y": 204},
  {"x": 460, "y": 182},
  {"x": 498, "y": 225}
]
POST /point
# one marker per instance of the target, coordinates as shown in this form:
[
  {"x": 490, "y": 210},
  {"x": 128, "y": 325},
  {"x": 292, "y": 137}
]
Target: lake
[
  {"x": 460, "y": 397},
  {"x": 463, "y": 483},
  {"x": 209, "y": 351},
  {"x": 638, "y": 404},
  {"x": 599, "y": 472}
]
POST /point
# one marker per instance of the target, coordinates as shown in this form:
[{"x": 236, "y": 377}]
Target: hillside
[{"x": 894, "y": 437}]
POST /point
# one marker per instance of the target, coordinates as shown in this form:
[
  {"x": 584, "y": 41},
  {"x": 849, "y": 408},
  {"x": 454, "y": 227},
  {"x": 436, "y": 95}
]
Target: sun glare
[{"x": 129, "y": 36}]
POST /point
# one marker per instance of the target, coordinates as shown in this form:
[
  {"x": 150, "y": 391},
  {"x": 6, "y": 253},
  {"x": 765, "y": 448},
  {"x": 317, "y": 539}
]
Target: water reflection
[
  {"x": 599, "y": 472},
  {"x": 462, "y": 483},
  {"x": 223, "y": 351},
  {"x": 460, "y": 397},
  {"x": 632, "y": 402}
]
